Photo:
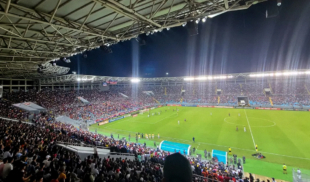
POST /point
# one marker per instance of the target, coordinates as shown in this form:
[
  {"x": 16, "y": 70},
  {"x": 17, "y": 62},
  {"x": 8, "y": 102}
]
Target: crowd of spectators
[
  {"x": 120, "y": 99},
  {"x": 29, "y": 153}
]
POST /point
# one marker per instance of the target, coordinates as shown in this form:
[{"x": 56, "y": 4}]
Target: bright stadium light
[
  {"x": 167, "y": 73},
  {"x": 184, "y": 24},
  {"x": 204, "y": 19},
  {"x": 277, "y": 74},
  {"x": 197, "y": 21},
  {"x": 189, "y": 79},
  {"x": 201, "y": 78},
  {"x": 135, "y": 80},
  {"x": 84, "y": 79}
]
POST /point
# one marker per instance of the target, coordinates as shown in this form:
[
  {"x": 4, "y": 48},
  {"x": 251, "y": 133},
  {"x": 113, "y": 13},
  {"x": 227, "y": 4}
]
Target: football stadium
[{"x": 154, "y": 91}]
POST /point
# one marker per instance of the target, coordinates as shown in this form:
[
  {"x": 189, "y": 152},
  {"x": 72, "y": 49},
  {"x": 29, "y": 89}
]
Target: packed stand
[{"x": 29, "y": 153}]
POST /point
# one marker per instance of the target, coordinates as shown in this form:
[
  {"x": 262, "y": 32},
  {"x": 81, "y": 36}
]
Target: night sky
[{"x": 234, "y": 42}]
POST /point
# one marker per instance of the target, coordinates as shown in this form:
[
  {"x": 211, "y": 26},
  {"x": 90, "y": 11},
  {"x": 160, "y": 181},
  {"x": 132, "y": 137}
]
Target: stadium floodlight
[
  {"x": 167, "y": 73},
  {"x": 189, "y": 79},
  {"x": 201, "y": 78},
  {"x": 204, "y": 19},
  {"x": 135, "y": 80},
  {"x": 85, "y": 79},
  {"x": 184, "y": 24},
  {"x": 168, "y": 28},
  {"x": 197, "y": 21},
  {"x": 277, "y": 74}
]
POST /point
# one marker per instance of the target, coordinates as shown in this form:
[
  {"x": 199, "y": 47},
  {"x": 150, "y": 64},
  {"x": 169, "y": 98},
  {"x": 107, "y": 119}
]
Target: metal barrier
[{"x": 81, "y": 144}]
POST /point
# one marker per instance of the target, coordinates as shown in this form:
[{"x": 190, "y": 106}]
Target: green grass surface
[{"x": 282, "y": 136}]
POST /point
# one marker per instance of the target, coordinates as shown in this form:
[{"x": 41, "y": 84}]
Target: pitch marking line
[
  {"x": 274, "y": 123},
  {"x": 189, "y": 141},
  {"x": 249, "y": 127},
  {"x": 163, "y": 118}
]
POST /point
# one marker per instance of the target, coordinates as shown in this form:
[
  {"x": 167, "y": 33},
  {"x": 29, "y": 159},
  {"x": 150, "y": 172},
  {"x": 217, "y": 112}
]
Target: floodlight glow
[
  {"x": 286, "y": 73},
  {"x": 189, "y": 79},
  {"x": 184, "y": 24},
  {"x": 135, "y": 80},
  {"x": 201, "y": 78},
  {"x": 204, "y": 19},
  {"x": 85, "y": 79}
]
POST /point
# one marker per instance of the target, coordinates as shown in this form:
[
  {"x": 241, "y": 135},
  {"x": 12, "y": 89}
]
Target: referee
[{"x": 284, "y": 169}]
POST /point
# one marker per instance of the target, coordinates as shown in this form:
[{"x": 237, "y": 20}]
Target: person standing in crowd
[{"x": 177, "y": 168}]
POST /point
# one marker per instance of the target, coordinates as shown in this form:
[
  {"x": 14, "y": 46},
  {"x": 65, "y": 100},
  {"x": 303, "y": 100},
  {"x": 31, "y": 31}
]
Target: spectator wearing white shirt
[
  {"x": 94, "y": 171},
  {"x": 7, "y": 153},
  {"x": 8, "y": 167},
  {"x": 47, "y": 161}
]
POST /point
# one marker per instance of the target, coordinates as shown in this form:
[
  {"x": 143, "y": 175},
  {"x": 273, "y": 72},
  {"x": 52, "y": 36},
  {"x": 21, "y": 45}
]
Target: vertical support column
[
  {"x": 91, "y": 86},
  {"x": 40, "y": 88},
  {"x": 64, "y": 86},
  {"x": 52, "y": 86},
  {"x": 18, "y": 87},
  {"x": 11, "y": 85},
  {"x": 26, "y": 84}
]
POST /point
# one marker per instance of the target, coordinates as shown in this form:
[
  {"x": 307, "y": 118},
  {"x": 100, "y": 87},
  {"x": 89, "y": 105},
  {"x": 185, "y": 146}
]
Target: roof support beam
[
  {"x": 55, "y": 10},
  {"x": 91, "y": 10},
  {"x": 119, "y": 8},
  {"x": 63, "y": 21},
  {"x": 39, "y": 40},
  {"x": 28, "y": 50},
  {"x": 226, "y": 4},
  {"x": 7, "y": 6}
]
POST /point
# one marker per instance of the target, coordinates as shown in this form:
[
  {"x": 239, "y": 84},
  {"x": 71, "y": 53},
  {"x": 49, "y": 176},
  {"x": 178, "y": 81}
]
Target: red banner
[{"x": 267, "y": 108}]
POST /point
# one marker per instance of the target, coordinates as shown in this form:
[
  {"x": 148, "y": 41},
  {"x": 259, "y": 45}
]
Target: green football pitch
[{"x": 281, "y": 136}]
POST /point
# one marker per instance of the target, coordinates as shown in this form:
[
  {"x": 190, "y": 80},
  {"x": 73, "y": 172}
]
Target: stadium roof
[
  {"x": 34, "y": 32},
  {"x": 73, "y": 78}
]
